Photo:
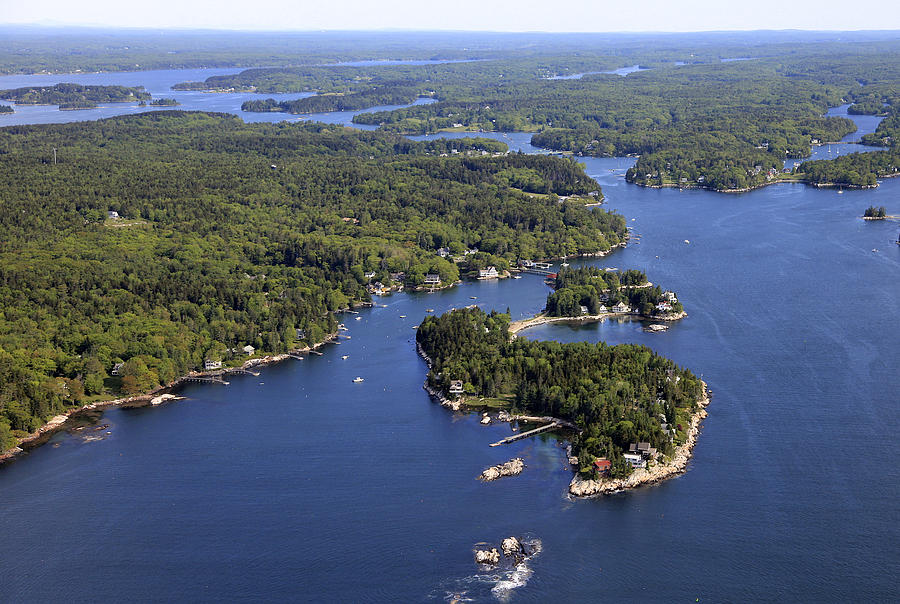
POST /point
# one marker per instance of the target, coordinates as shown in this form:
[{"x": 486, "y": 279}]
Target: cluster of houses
[
  {"x": 638, "y": 455},
  {"x": 380, "y": 289}
]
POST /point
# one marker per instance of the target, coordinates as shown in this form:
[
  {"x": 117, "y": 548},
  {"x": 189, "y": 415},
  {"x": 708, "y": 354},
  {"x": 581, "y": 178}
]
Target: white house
[
  {"x": 488, "y": 273},
  {"x": 370, "y": 275},
  {"x": 670, "y": 296},
  {"x": 117, "y": 369},
  {"x": 211, "y": 365},
  {"x": 664, "y": 307},
  {"x": 444, "y": 252},
  {"x": 456, "y": 387},
  {"x": 635, "y": 459},
  {"x": 584, "y": 310},
  {"x": 621, "y": 307},
  {"x": 248, "y": 350},
  {"x": 432, "y": 279},
  {"x": 112, "y": 214}
]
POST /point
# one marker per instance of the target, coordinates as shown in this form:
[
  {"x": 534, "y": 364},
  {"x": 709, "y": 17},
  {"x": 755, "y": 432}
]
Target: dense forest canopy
[
  {"x": 693, "y": 119},
  {"x": 616, "y": 395},
  {"x": 228, "y": 234}
]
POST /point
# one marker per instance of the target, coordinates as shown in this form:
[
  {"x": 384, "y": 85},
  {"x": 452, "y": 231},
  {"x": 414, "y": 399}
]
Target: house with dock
[
  {"x": 456, "y": 387},
  {"x": 211, "y": 365},
  {"x": 432, "y": 279},
  {"x": 249, "y": 350}
]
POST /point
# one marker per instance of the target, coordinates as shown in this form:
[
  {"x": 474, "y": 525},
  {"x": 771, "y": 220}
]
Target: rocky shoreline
[
  {"x": 516, "y": 326},
  {"x": 579, "y": 487},
  {"x": 154, "y": 397}
]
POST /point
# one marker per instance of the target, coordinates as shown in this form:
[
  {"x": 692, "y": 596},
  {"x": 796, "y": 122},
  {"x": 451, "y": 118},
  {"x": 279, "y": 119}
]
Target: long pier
[
  {"x": 515, "y": 437},
  {"x": 210, "y": 379}
]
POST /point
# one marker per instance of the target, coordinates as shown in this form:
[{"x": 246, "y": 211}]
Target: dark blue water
[{"x": 301, "y": 485}]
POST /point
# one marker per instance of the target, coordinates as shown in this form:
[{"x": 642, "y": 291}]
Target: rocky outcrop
[
  {"x": 644, "y": 476},
  {"x": 511, "y": 546},
  {"x": 487, "y": 556},
  {"x": 513, "y": 467}
]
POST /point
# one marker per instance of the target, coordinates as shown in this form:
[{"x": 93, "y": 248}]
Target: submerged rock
[{"x": 513, "y": 467}]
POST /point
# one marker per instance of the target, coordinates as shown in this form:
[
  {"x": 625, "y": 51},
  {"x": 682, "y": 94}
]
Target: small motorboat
[
  {"x": 357, "y": 379},
  {"x": 345, "y": 357}
]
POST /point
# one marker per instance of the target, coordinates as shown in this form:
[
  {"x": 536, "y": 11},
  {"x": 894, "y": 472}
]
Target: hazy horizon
[{"x": 477, "y": 16}]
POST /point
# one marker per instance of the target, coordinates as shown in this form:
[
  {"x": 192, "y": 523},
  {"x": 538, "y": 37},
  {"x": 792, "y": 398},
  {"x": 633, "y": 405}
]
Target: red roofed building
[{"x": 603, "y": 466}]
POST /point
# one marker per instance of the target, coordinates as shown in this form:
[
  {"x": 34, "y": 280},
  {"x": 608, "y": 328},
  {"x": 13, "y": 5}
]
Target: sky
[{"x": 480, "y": 15}]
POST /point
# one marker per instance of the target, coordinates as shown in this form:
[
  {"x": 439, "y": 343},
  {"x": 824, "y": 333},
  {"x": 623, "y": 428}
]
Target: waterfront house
[
  {"x": 211, "y": 365},
  {"x": 635, "y": 460},
  {"x": 643, "y": 449},
  {"x": 621, "y": 307},
  {"x": 670, "y": 296},
  {"x": 369, "y": 275},
  {"x": 301, "y": 334},
  {"x": 112, "y": 214},
  {"x": 603, "y": 466},
  {"x": 602, "y": 309},
  {"x": 456, "y": 387},
  {"x": 117, "y": 369},
  {"x": 248, "y": 350},
  {"x": 488, "y": 273},
  {"x": 432, "y": 279},
  {"x": 584, "y": 309},
  {"x": 397, "y": 276},
  {"x": 664, "y": 307}
]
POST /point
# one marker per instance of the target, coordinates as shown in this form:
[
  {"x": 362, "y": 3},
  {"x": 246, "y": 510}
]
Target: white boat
[
  {"x": 402, "y": 316},
  {"x": 687, "y": 240},
  {"x": 517, "y": 276},
  {"x": 345, "y": 357},
  {"x": 357, "y": 379}
]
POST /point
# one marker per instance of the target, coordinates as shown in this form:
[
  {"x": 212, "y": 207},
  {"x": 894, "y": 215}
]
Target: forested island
[
  {"x": 6, "y": 109},
  {"x": 228, "y": 237},
  {"x": 593, "y": 291},
  {"x": 616, "y": 396},
  {"x": 73, "y": 95},
  {"x": 336, "y": 102},
  {"x": 873, "y": 213}
]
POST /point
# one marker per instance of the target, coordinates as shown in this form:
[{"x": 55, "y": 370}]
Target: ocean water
[{"x": 301, "y": 485}]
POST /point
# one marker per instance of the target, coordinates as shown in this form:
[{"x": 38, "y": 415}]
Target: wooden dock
[
  {"x": 522, "y": 435},
  {"x": 209, "y": 379}
]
